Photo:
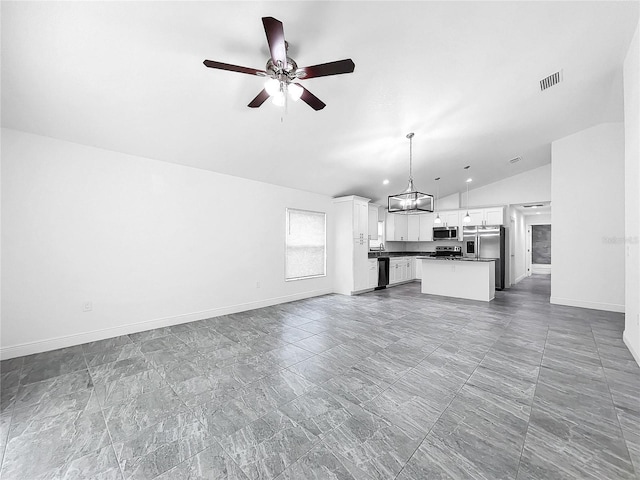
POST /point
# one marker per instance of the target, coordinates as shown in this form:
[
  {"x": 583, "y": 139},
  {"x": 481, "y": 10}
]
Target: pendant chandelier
[
  {"x": 410, "y": 201},
  {"x": 437, "y": 220},
  {"x": 467, "y": 217}
]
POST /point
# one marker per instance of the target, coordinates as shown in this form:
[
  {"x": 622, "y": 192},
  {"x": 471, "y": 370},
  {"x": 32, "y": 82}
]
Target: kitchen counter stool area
[{"x": 383, "y": 385}]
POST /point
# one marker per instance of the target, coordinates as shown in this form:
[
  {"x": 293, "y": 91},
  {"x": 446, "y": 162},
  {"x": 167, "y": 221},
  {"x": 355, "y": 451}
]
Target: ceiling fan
[{"x": 282, "y": 71}]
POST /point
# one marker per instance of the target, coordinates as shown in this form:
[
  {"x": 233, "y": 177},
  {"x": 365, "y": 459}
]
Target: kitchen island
[{"x": 472, "y": 279}]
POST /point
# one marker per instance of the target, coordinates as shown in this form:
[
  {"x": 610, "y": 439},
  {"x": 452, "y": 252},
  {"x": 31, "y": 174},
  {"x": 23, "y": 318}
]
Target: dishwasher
[{"x": 383, "y": 272}]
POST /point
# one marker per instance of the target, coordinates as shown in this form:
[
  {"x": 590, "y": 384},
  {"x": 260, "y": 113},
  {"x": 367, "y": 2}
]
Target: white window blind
[{"x": 306, "y": 244}]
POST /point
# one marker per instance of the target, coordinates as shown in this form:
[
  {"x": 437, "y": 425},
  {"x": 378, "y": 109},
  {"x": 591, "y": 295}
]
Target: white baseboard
[
  {"x": 634, "y": 352},
  {"x": 520, "y": 278},
  {"x": 45, "y": 345},
  {"x": 541, "y": 269},
  {"x": 570, "y": 302}
]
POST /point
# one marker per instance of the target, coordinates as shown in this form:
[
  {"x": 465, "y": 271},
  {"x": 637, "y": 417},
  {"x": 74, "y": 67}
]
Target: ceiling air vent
[
  {"x": 551, "y": 80},
  {"x": 515, "y": 160}
]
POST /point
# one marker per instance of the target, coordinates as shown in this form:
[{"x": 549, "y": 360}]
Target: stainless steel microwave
[{"x": 445, "y": 233}]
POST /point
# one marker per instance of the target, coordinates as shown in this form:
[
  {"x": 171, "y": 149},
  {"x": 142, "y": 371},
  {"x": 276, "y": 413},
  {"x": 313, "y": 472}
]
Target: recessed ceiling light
[
  {"x": 467, "y": 167},
  {"x": 385, "y": 182},
  {"x": 537, "y": 213},
  {"x": 469, "y": 180}
]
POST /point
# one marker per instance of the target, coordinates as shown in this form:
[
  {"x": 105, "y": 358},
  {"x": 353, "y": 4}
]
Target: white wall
[
  {"x": 587, "y": 189},
  {"x": 632, "y": 196},
  {"x": 518, "y": 255},
  {"x": 450, "y": 202},
  {"x": 148, "y": 243},
  {"x": 530, "y": 186}
]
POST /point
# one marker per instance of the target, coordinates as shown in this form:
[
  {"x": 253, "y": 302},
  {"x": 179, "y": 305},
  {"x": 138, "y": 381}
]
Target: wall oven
[{"x": 445, "y": 233}]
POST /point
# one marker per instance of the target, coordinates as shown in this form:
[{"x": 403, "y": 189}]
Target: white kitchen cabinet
[
  {"x": 409, "y": 272},
  {"x": 426, "y": 228},
  {"x": 399, "y": 270},
  {"x": 413, "y": 228},
  {"x": 397, "y": 226},
  {"x": 373, "y": 272},
  {"x": 450, "y": 218},
  {"x": 485, "y": 216},
  {"x": 394, "y": 270},
  {"x": 350, "y": 259},
  {"x": 360, "y": 265},
  {"x": 477, "y": 217},
  {"x": 373, "y": 222},
  {"x": 360, "y": 219},
  {"x": 494, "y": 216},
  {"x": 417, "y": 269}
]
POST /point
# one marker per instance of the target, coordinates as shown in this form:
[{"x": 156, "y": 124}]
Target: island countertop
[{"x": 461, "y": 259}]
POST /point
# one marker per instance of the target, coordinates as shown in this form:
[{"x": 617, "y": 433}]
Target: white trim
[
  {"x": 540, "y": 269},
  {"x": 84, "y": 337},
  {"x": 609, "y": 307},
  {"x": 520, "y": 278},
  {"x": 627, "y": 342}
]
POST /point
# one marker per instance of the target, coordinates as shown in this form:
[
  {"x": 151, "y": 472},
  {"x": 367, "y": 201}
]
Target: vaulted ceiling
[{"x": 464, "y": 76}]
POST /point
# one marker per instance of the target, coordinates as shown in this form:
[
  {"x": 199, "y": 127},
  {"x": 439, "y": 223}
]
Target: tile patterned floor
[{"x": 386, "y": 385}]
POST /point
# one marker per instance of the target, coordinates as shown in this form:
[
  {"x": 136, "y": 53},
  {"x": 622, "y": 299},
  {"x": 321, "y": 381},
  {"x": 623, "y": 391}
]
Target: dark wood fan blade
[
  {"x": 259, "y": 100},
  {"x": 325, "y": 69},
  {"x": 233, "y": 68},
  {"x": 311, "y": 100},
  {"x": 275, "y": 38}
]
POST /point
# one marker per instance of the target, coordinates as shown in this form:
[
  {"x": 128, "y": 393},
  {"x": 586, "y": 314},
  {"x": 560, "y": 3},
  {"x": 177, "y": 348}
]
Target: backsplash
[{"x": 418, "y": 246}]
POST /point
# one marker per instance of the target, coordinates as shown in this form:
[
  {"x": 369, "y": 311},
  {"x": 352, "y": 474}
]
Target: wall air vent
[
  {"x": 515, "y": 160},
  {"x": 551, "y": 80},
  {"x": 534, "y": 206}
]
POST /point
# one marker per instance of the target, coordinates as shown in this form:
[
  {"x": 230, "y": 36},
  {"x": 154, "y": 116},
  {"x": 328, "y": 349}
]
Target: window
[
  {"x": 376, "y": 244},
  {"x": 306, "y": 244}
]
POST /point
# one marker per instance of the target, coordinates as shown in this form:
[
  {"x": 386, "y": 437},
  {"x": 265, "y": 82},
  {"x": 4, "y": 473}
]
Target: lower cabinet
[
  {"x": 400, "y": 270},
  {"x": 360, "y": 265},
  {"x": 373, "y": 272}
]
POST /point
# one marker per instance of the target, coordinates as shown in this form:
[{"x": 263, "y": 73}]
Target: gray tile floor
[{"x": 391, "y": 384}]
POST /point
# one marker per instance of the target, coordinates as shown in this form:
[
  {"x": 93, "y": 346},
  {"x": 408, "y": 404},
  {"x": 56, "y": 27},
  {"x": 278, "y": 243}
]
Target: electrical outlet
[{"x": 87, "y": 306}]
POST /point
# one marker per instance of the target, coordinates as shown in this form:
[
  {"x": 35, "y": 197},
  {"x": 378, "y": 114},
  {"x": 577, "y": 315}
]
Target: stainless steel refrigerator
[{"x": 488, "y": 243}]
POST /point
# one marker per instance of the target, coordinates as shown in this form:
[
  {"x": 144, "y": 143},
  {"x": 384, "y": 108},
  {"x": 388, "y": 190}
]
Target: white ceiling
[{"x": 464, "y": 76}]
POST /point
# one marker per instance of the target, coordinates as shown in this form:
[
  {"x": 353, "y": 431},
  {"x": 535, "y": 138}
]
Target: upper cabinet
[
  {"x": 373, "y": 221},
  {"x": 420, "y": 228},
  {"x": 477, "y": 217},
  {"x": 494, "y": 216},
  {"x": 361, "y": 220},
  {"x": 450, "y": 218},
  {"x": 397, "y": 227},
  {"x": 413, "y": 228},
  {"x": 426, "y": 227},
  {"x": 486, "y": 216}
]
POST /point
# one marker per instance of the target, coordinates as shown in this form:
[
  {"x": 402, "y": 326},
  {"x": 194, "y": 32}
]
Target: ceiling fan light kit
[
  {"x": 410, "y": 201},
  {"x": 283, "y": 72}
]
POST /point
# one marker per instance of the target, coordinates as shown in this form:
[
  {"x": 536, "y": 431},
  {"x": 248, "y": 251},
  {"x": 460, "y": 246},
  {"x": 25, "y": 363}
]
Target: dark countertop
[
  {"x": 460, "y": 259},
  {"x": 376, "y": 254}
]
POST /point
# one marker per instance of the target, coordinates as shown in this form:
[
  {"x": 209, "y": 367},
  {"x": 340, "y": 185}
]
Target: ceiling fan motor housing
[{"x": 284, "y": 74}]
